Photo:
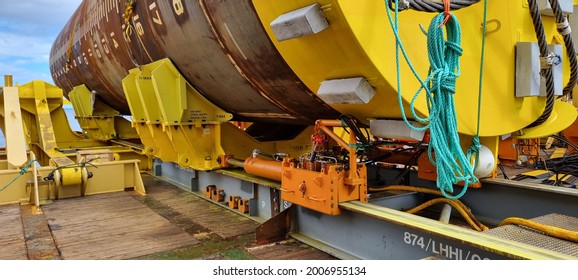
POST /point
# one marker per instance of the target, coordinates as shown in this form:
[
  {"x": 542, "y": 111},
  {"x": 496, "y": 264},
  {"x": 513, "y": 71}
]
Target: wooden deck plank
[
  {"x": 82, "y": 224},
  {"x": 91, "y": 210},
  {"x": 288, "y": 250},
  {"x": 12, "y": 244},
  {"x": 223, "y": 222},
  {"x": 123, "y": 250},
  {"x": 107, "y": 203},
  {"x": 111, "y": 226},
  {"x": 143, "y": 229},
  {"x": 117, "y": 245}
]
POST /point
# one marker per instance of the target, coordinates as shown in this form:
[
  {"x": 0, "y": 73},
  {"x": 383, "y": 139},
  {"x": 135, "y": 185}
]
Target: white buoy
[{"x": 486, "y": 163}]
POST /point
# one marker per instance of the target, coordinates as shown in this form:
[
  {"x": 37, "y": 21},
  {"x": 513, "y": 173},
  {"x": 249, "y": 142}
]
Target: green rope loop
[{"x": 452, "y": 164}]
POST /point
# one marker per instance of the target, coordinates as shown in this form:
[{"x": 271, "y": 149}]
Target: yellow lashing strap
[{"x": 129, "y": 9}]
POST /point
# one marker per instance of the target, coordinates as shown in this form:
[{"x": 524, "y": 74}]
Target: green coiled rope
[{"x": 452, "y": 164}]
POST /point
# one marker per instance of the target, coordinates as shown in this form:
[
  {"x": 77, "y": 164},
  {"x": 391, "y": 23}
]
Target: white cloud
[{"x": 27, "y": 31}]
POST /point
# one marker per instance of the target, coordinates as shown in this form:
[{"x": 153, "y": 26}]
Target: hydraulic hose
[
  {"x": 549, "y": 230},
  {"x": 457, "y": 204}
]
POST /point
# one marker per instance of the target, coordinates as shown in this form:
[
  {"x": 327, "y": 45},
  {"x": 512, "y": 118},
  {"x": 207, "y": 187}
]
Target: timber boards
[
  {"x": 223, "y": 222},
  {"x": 288, "y": 250},
  {"x": 12, "y": 245},
  {"x": 111, "y": 226}
]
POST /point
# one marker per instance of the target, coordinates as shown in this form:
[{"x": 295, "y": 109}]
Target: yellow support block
[
  {"x": 82, "y": 101},
  {"x": 563, "y": 115},
  {"x": 97, "y": 120},
  {"x": 186, "y": 104},
  {"x": 183, "y": 126},
  {"x": 145, "y": 117}
]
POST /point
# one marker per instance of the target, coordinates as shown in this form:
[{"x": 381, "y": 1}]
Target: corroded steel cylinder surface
[{"x": 219, "y": 46}]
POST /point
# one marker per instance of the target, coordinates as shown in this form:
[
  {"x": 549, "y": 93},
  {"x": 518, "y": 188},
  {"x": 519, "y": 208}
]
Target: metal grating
[{"x": 539, "y": 239}]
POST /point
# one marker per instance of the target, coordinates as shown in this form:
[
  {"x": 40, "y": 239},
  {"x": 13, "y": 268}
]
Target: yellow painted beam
[{"x": 14, "y": 132}]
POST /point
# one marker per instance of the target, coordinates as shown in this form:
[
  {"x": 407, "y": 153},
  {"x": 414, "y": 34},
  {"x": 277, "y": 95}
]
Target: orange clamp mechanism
[
  {"x": 320, "y": 188},
  {"x": 323, "y": 190}
]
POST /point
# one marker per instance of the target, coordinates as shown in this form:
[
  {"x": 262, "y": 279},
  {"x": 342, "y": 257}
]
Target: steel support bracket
[
  {"x": 174, "y": 121},
  {"x": 97, "y": 120},
  {"x": 44, "y": 127}
]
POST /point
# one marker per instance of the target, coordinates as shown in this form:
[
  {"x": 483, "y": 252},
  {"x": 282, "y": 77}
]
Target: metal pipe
[
  {"x": 236, "y": 162},
  {"x": 8, "y": 82},
  {"x": 333, "y": 136},
  {"x": 265, "y": 168},
  {"x": 330, "y": 123},
  {"x": 35, "y": 175},
  {"x": 446, "y": 214}
]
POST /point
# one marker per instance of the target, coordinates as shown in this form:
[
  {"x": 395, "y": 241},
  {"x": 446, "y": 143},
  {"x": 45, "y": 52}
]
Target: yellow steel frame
[
  {"x": 97, "y": 120},
  {"x": 177, "y": 124},
  {"x": 33, "y": 113}
]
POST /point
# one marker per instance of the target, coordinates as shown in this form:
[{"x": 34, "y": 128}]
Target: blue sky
[{"x": 27, "y": 30}]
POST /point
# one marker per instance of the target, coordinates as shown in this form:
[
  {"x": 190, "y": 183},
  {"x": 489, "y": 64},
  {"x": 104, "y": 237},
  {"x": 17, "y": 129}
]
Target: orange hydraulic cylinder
[{"x": 269, "y": 169}]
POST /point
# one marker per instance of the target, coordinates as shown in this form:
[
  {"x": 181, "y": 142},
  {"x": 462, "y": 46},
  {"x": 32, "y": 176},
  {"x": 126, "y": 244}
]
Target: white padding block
[
  {"x": 394, "y": 129},
  {"x": 529, "y": 82},
  {"x": 346, "y": 91},
  {"x": 305, "y": 21},
  {"x": 567, "y": 7}
]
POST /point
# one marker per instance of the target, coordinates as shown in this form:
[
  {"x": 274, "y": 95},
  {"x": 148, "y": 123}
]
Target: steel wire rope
[
  {"x": 546, "y": 61},
  {"x": 565, "y": 31},
  {"x": 431, "y": 6}
]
